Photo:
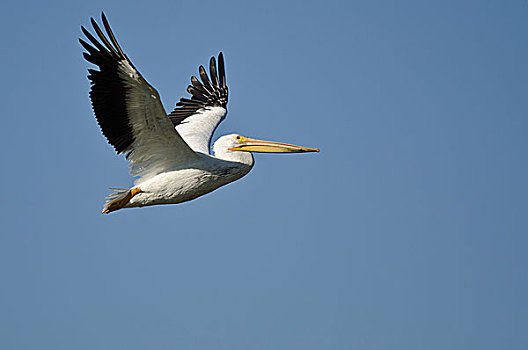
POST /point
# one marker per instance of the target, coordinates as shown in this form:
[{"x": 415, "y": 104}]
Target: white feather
[{"x": 198, "y": 129}]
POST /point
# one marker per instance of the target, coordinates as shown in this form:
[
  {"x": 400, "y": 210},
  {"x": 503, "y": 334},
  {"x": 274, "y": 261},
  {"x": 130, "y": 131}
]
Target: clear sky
[{"x": 408, "y": 230}]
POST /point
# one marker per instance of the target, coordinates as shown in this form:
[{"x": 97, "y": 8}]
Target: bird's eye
[{"x": 238, "y": 138}]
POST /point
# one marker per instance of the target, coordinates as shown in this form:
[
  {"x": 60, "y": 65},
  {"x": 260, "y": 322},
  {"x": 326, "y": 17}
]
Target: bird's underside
[
  {"x": 169, "y": 154},
  {"x": 178, "y": 186}
]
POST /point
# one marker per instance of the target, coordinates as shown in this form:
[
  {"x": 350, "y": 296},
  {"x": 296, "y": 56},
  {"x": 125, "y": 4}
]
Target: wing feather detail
[
  {"x": 129, "y": 110},
  {"x": 197, "y": 118}
]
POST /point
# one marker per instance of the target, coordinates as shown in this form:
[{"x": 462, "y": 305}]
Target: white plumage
[
  {"x": 168, "y": 153},
  {"x": 197, "y": 130}
]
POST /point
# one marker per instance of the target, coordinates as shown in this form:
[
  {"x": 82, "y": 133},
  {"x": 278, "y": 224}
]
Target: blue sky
[{"x": 407, "y": 231}]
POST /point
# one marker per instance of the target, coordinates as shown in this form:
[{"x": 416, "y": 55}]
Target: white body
[{"x": 189, "y": 182}]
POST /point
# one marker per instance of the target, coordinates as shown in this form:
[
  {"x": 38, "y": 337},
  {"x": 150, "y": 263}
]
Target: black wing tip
[
  {"x": 93, "y": 22},
  {"x": 85, "y": 31},
  {"x": 107, "y": 93},
  {"x": 209, "y": 90},
  {"x": 103, "y": 17}
]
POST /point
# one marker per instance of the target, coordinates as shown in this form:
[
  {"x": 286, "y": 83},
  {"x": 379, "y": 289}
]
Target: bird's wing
[
  {"x": 129, "y": 110},
  {"x": 196, "y": 118}
]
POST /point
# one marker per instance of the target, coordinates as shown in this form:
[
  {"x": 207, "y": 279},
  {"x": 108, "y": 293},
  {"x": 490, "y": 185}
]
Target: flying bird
[{"x": 170, "y": 154}]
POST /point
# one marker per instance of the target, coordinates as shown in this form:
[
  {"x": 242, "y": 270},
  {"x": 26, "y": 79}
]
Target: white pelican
[{"x": 170, "y": 155}]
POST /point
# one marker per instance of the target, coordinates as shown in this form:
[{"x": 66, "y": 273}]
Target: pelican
[{"x": 169, "y": 154}]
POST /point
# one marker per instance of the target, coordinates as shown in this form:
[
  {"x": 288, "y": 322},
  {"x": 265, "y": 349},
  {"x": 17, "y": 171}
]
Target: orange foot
[{"x": 121, "y": 201}]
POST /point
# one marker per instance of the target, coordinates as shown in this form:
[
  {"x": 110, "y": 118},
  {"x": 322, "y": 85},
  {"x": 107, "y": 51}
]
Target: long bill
[{"x": 253, "y": 145}]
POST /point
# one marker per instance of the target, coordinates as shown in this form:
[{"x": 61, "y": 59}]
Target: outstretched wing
[
  {"x": 129, "y": 110},
  {"x": 196, "y": 118}
]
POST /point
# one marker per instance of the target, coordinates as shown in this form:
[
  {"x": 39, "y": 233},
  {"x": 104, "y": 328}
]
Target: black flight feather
[
  {"x": 108, "y": 92},
  {"x": 205, "y": 93}
]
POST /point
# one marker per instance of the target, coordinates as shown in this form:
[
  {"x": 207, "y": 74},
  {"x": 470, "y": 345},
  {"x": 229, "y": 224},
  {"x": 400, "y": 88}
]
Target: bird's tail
[{"x": 118, "y": 199}]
